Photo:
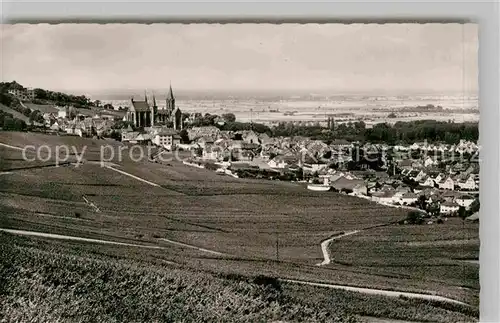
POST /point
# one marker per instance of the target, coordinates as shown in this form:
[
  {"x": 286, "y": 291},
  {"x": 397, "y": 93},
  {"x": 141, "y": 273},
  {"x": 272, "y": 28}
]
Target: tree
[
  {"x": 184, "y": 136},
  {"x": 8, "y": 123},
  {"x": 116, "y": 135},
  {"x": 14, "y": 124},
  {"x": 40, "y": 94},
  {"x": 360, "y": 125},
  {"x": 122, "y": 124},
  {"x": 474, "y": 207},
  {"x": 422, "y": 202},
  {"x": 434, "y": 209},
  {"x": 185, "y": 116},
  {"x": 327, "y": 154},
  {"x": 72, "y": 113},
  {"x": 36, "y": 116},
  {"x": 462, "y": 212},
  {"x": 414, "y": 217},
  {"x": 229, "y": 117}
]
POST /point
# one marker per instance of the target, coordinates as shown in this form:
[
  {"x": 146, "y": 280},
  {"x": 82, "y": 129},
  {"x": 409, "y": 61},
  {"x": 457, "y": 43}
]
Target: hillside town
[
  {"x": 437, "y": 178},
  {"x": 253, "y": 172},
  {"x": 442, "y": 179}
]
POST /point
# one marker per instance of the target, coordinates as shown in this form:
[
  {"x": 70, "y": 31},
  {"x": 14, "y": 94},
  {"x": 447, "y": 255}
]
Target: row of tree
[
  {"x": 42, "y": 96},
  {"x": 78, "y": 101},
  {"x": 9, "y": 122},
  {"x": 400, "y": 132},
  {"x": 433, "y": 209},
  {"x": 225, "y": 122},
  {"x": 10, "y": 100}
]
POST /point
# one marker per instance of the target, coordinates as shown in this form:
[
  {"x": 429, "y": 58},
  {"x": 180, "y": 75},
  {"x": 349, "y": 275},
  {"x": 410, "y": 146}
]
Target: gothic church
[{"x": 143, "y": 115}]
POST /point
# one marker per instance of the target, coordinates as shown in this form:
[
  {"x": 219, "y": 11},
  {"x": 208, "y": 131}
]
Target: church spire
[
  {"x": 145, "y": 96},
  {"x": 154, "y": 99},
  {"x": 170, "y": 95}
]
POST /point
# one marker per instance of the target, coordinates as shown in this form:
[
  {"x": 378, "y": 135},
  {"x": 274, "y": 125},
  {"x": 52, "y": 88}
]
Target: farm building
[
  {"x": 428, "y": 162},
  {"x": 468, "y": 184},
  {"x": 277, "y": 162},
  {"x": 386, "y": 197},
  {"x": 198, "y": 132},
  {"x": 448, "y": 207},
  {"x": 357, "y": 186},
  {"x": 465, "y": 201},
  {"x": 429, "y": 182},
  {"x": 213, "y": 152},
  {"x": 129, "y": 136},
  {"x": 166, "y": 138},
  {"x": 409, "y": 198},
  {"x": 447, "y": 184},
  {"x": 250, "y": 137}
]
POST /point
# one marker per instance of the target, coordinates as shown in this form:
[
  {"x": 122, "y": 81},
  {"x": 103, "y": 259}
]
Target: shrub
[
  {"x": 267, "y": 281},
  {"x": 415, "y": 217}
]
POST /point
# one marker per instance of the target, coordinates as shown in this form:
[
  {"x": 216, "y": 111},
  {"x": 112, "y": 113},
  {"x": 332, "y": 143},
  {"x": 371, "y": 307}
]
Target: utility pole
[
  {"x": 251, "y": 119},
  {"x": 277, "y": 248}
]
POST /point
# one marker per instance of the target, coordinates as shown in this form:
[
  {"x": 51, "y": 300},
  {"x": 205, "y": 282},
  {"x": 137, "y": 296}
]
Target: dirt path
[
  {"x": 64, "y": 237},
  {"x": 12, "y": 147},
  {"x": 326, "y": 243},
  {"x": 91, "y": 204},
  {"x": 193, "y": 247},
  {"x": 381, "y": 292},
  {"x": 133, "y": 176},
  {"x": 369, "y": 291}
]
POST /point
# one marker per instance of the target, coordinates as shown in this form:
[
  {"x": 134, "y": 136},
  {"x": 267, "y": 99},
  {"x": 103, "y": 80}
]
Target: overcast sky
[{"x": 313, "y": 57}]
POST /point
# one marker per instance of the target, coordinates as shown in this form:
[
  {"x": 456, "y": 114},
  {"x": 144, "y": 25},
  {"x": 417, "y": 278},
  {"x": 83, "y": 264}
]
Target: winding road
[
  {"x": 326, "y": 243},
  {"x": 382, "y": 292},
  {"x": 133, "y": 176},
  {"x": 192, "y": 247},
  {"x": 64, "y": 237},
  {"x": 369, "y": 291},
  {"x": 12, "y": 147}
]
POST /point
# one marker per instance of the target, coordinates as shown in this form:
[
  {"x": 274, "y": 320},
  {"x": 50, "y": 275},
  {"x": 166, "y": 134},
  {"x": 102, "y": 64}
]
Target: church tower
[
  {"x": 154, "y": 112},
  {"x": 170, "y": 101}
]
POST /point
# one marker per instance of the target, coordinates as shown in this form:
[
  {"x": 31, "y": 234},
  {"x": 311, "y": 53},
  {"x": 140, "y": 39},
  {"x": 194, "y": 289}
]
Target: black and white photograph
[{"x": 252, "y": 172}]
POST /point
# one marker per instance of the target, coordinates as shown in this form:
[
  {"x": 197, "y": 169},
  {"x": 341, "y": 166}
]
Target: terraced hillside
[{"x": 204, "y": 221}]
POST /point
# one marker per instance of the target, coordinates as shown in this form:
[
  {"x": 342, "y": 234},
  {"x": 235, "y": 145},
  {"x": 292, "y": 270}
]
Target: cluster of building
[
  {"x": 429, "y": 173},
  {"x": 67, "y": 120},
  {"x": 25, "y": 94},
  {"x": 447, "y": 182},
  {"x": 159, "y": 126}
]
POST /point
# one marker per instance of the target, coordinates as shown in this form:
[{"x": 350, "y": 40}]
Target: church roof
[
  {"x": 139, "y": 106},
  {"x": 164, "y": 111},
  {"x": 167, "y": 132}
]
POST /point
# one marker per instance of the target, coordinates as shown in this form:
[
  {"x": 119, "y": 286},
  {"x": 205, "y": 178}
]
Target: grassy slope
[
  {"x": 51, "y": 108},
  {"x": 43, "y": 108},
  {"x": 53, "y": 281},
  {"x": 15, "y": 113},
  {"x": 427, "y": 253}
]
